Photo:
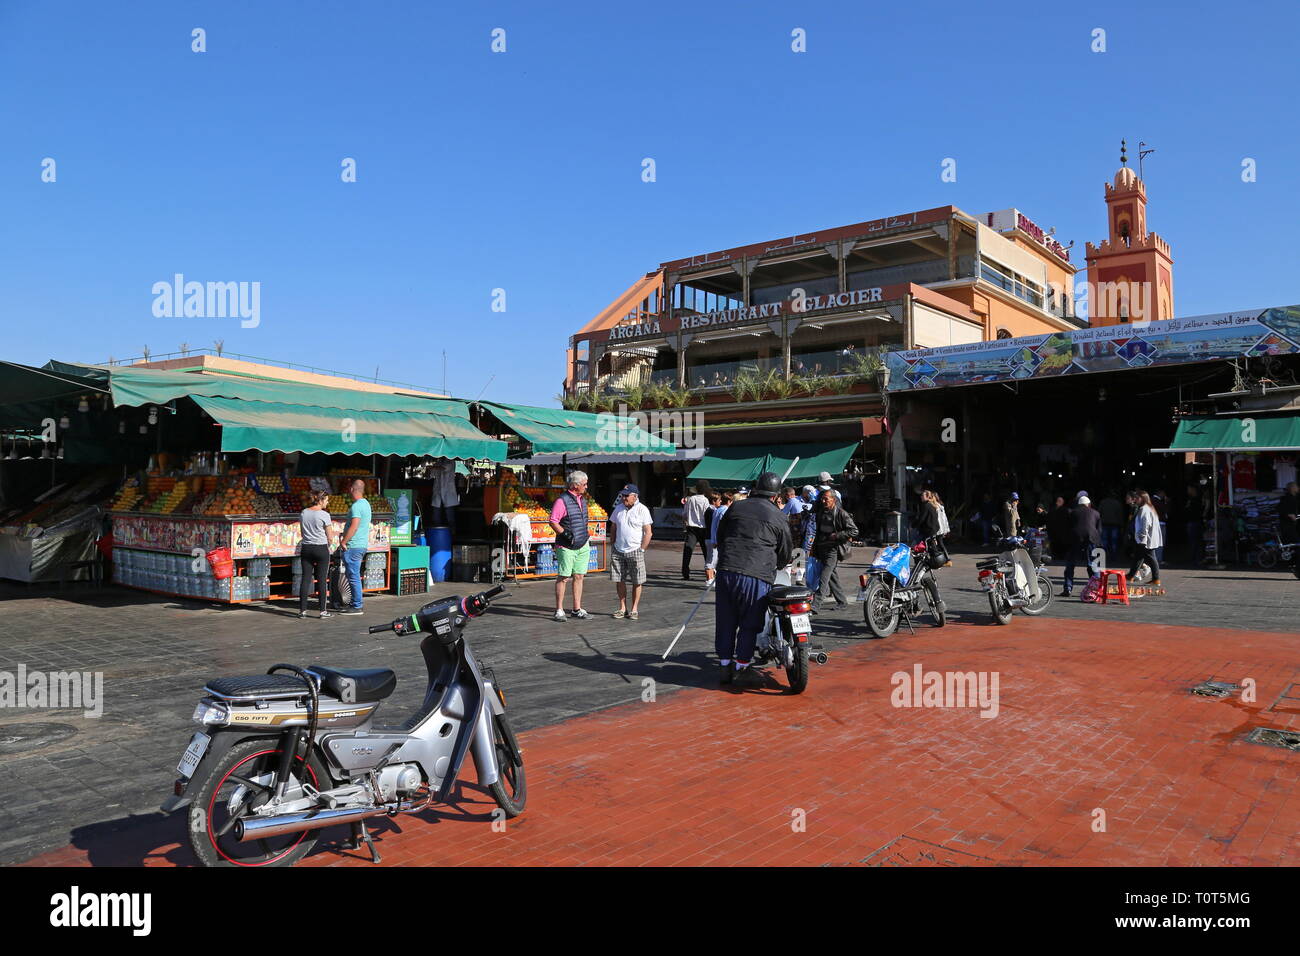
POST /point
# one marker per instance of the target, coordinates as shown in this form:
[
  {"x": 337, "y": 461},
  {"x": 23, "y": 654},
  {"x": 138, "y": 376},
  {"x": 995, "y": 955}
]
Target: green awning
[
  {"x": 275, "y": 426},
  {"x": 1240, "y": 433},
  {"x": 557, "y": 431},
  {"x": 148, "y": 386},
  {"x": 743, "y": 464}
]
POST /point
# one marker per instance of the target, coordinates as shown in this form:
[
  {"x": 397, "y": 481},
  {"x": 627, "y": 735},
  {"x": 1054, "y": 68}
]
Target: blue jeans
[
  {"x": 738, "y": 616},
  {"x": 352, "y": 559},
  {"x": 1111, "y": 542},
  {"x": 1080, "y": 554}
]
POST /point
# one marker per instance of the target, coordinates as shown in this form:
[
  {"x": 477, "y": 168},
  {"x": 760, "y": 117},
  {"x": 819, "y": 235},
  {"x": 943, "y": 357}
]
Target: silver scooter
[
  {"x": 787, "y": 628},
  {"x": 1014, "y": 580},
  {"x": 285, "y": 754}
]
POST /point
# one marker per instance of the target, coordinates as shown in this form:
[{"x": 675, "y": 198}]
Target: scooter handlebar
[{"x": 381, "y": 627}]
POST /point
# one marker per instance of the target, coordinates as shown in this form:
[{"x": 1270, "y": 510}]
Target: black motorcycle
[{"x": 900, "y": 585}]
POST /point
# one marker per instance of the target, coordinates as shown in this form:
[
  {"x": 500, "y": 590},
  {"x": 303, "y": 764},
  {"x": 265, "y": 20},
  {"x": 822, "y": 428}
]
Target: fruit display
[
  {"x": 270, "y": 484},
  {"x": 234, "y": 501},
  {"x": 289, "y": 503},
  {"x": 594, "y": 510},
  {"x": 338, "y": 504},
  {"x": 515, "y": 499},
  {"x": 173, "y": 500},
  {"x": 157, "y": 484},
  {"x": 128, "y": 497},
  {"x": 379, "y": 505},
  {"x": 266, "y": 506},
  {"x": 350, "y": 472}
]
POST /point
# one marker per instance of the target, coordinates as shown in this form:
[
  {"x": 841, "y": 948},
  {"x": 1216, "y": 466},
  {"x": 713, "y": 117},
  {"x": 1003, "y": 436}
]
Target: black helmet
[{"x": 768, "y": 484}]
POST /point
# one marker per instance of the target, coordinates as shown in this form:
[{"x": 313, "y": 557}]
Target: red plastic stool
[{"x": 1121, "y": 586}]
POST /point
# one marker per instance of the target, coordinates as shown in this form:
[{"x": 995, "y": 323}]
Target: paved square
[{"x": 1099, "y": 753}]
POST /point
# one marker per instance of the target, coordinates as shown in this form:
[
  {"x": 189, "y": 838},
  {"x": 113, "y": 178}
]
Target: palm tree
[{"x": 218, "y": 345}]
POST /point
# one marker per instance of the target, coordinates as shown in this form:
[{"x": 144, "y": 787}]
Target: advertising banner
[
  {"x": 1202, "y": 338},
  {"x": 403, "y": 507}
]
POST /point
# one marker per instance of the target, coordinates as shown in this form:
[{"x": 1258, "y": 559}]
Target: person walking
[
  {"x": 314, "y": 554},
  {"x": 1146, "y": 535},
  {"x": 834, "y": 531},
  {"x": 693, "y": 509},
  {"x": 1288, "y": 520},
  {"x": 824, "y": 483},
  {"x": 355, "y": 539},
  {"x": 753, "y": 543},
  {"x": 1085, "y": 536},
  {"x": 1194, "y": 524},
  {"x": 1060, "y": 535},
  {"x": 572, "y": 549},
  {"x": 1011, "y": 515},
  {"x": 725, "y": 501},
  {"x": 631, "y": 522},
  {"x": 1112, "y": 524}
]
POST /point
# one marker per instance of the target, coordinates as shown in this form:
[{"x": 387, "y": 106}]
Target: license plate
[
  {"x": 800, "y": 624},
  {"x": 193, "y": 754}
]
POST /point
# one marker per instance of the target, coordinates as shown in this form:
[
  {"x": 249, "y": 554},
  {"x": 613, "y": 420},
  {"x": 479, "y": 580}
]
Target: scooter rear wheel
[
  {"x": 511, "y": 789},
  {"x": 1001, "y": 610},
  {"x": 211, "y": 818}
]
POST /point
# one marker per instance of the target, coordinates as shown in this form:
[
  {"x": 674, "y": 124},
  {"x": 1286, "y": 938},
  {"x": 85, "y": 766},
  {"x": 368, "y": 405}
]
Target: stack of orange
[{"x": 172, "y": 500}]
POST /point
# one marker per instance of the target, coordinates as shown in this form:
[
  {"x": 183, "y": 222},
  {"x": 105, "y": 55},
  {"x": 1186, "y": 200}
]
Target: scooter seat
[
  {"x": 356, "y": 686},
  {"x": 783, "y": 593},
  {"x": 257, "y": 685}
]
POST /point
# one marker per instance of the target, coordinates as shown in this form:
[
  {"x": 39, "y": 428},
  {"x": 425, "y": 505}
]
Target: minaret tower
[{"x": 1130, "y": 274}]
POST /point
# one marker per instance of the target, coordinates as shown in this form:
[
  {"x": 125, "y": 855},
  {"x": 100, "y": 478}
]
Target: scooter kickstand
[{"x": 360, "y": 834}]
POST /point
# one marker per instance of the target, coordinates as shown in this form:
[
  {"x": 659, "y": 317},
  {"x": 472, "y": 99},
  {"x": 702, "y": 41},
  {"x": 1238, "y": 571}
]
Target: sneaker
[
  {"x": 1065, "y": 593},
  {"x": 747, "y": 677},
  {"x": 633, "y": 616},
  {"x": 325, "y": 614},
  {"x": 560, "y": 615},
  {"x": 725, "y": 673},
  {"x": 302, "y": 615},
  {"x": 620, "y": 613},
  {"x": 580, "y": 614},
  {"x": 352, "y": 610}
]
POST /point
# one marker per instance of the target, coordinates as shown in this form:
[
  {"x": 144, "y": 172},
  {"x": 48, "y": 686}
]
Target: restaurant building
[{"x": 778, "y": 343}]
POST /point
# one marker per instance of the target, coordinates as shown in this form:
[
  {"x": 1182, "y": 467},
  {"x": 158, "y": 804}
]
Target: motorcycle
[
  {"x": 899, "y": 582},
  {"x": 283, "y": 755},
  {"x": 1015, "y": 579},
  {"x": 787, "y": 629}
]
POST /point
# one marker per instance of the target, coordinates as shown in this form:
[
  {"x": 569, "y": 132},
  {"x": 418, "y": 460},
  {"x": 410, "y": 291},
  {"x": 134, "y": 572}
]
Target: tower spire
[{"x": 1123, "y": 155}]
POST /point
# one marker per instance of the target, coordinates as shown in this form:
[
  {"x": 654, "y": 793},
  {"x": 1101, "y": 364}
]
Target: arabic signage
[
  {"x": 795, "y": 243},
  {"x": 1004, "y": 220},
  {"x": 1112, "y": 348}
]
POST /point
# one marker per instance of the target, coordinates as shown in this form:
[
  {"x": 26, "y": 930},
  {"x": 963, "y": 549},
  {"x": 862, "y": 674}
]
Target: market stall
[
  {"x": 545, "y": 444},
  {"x": 219, "y": 465}
]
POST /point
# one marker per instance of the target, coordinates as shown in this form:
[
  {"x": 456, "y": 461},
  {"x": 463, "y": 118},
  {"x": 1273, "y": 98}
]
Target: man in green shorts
[{"x": 572, "y": 552}]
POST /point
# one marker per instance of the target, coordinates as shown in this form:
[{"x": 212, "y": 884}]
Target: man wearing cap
[
  {"x": 825, "y": 481},
  {"x": 1011, "y": 515},
  {"x": 1085, "y": 521},
  {"x": 753, "y": 543},
  {"x": 631, "y": 522}
]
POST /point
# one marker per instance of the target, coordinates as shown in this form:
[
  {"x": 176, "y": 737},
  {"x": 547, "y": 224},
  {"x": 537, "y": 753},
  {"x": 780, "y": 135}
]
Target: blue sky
[{"x": 522, "y": 170}]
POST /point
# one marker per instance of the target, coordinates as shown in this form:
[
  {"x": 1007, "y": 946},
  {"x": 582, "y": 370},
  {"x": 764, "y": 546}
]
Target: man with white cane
[{"x": 753, "y": 543}]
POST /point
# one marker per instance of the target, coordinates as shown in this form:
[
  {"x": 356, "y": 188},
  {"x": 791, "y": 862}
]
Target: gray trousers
[{"x": 830, "y": 581}]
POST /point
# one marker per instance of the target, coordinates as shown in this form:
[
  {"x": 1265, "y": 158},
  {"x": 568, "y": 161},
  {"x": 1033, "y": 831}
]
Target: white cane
[{"x": 685, "y": 623}]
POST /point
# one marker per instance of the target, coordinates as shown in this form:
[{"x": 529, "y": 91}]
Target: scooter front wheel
[
  {"x": 1034, "y": 608},
  {"x": 511, "y": 789}
]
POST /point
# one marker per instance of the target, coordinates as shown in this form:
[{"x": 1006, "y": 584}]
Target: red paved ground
[{"x": 1092, "y": 716}]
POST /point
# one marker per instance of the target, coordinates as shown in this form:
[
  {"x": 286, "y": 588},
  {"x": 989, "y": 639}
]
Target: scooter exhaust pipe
[
  {"x": 818, "y": 657},
  {"x": 263, "y": 828}
]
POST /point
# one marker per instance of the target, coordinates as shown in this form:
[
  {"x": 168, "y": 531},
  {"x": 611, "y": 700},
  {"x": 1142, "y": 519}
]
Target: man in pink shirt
[{"x": 572, "y": 551}]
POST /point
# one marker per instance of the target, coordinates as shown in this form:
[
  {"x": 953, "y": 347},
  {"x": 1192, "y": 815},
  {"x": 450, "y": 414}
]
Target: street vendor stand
[{"x": 550, "y": 442}]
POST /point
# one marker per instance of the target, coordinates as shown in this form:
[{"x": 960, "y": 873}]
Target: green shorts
[{"x": 572, "y": 561}]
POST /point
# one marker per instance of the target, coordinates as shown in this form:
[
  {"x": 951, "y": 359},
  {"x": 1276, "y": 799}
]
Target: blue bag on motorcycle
[{"x": 897, "y": 560}]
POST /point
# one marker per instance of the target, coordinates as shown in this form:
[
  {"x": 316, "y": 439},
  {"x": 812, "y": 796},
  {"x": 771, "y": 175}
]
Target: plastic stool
[{"x": 1121, "y": 580}]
